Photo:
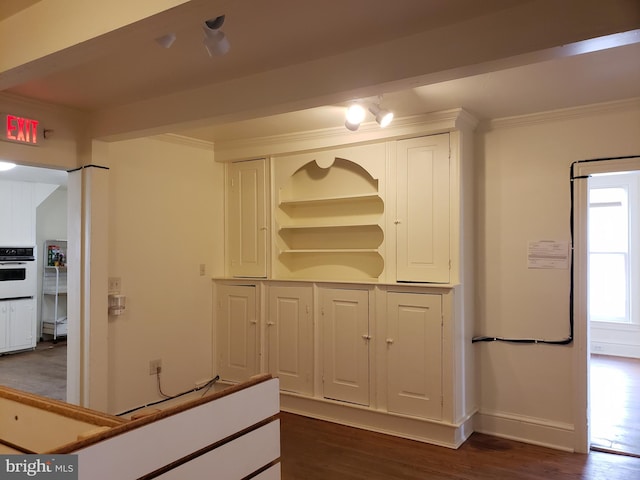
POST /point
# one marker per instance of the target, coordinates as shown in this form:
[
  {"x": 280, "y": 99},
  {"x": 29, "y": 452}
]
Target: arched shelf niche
[{"x": 329, "y": 220}]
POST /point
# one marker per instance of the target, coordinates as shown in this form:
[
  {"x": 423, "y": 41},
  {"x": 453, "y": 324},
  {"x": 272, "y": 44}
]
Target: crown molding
[
  {"x": 560, "y": 114},
  {"x": 404, "y": 127},
  {"x": 184, "y": 141},
  {"x": 17, "y": 101}
]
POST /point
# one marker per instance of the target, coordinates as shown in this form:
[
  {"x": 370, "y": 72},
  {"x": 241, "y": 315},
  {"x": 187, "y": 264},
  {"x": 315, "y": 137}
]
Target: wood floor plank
[
  {"x": 314, "y": 450},
  {"x": 615, "y": 403}
]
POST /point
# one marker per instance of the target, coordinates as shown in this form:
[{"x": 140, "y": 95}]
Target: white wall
[
  {"x": 524, "y": 194},
  {"x": 165, "y": 219}
]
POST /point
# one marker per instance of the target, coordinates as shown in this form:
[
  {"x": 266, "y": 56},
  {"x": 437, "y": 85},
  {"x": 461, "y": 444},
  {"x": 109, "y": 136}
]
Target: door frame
[{"x": 580, "y": 173}]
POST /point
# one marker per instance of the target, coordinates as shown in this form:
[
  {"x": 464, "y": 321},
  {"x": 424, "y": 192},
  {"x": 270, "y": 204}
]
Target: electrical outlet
[
  {"x": 114, "y": 284},
  {"x": 155, "y": 366},
  {"x": 203, "y": 269}
]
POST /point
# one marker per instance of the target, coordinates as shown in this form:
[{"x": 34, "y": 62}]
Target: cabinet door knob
[
  {"x": 270, "y": 324},
  {"x": 389, "y": 340},
  {"x": 398, "y": 222},
  {"x": 366, "y": 337},
  {"x": 254, "y": 322}
]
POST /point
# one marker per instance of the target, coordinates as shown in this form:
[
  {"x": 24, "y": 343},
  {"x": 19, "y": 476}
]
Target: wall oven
[{"x": 17, "y": 273}]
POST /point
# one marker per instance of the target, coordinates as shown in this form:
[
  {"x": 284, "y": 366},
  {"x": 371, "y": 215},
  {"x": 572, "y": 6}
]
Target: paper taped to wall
[{"x": 548, "y": 254}]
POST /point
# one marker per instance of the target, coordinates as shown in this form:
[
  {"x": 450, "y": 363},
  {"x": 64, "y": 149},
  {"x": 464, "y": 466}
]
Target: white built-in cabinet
[
  {"x": 414, "y": 354},
  {"x": 345, "y": 344},
  {"x": 237, "y": 332},
  {"x": 246, "y": 218},
  {"x": 360, "y": 297},
  {"x": 422, "y": 214},
  {"x": 17, "y": 325},
  {"x": 289, "y": 336}
]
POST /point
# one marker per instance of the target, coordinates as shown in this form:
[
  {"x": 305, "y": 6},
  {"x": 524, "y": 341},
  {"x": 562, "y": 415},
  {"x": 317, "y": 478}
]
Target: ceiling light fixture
[
  {"x": 4, "y": 166},
  {"x": 166, "y": 40},
  {"x": 354, "y": 116},
  {"x": 356, "y": 113},
  {"x": 383, "y": 117},
  {"x": 215, "y": 41}
]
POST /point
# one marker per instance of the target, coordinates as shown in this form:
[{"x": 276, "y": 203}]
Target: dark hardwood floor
[
  {"x": 317, "y": 450},
  {"x": 312, "y": 449},
  {"x": 42, "y": 371},
  {"x": 615, "y": 403}
]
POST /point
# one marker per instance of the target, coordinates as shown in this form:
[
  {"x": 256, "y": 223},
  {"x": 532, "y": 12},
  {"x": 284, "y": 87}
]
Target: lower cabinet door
[
  {"x": 237, "y": 332},
  {"x": 17, "y": 325},
  {"x": 414, "y": 354},
  {"x": 345, "y": 340},
  {"x": 290, "y": 337}
]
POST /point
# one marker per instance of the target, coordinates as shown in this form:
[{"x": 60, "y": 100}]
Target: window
[{"x": 613, "y": 227}]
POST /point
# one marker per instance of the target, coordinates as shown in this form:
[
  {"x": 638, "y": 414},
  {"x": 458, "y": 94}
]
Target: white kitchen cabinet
[
  {"x": 423, "y": 215},
  {"x": 345, "y": 344},
  {"x": 414, "y": 354},
  {"x": 17, "y": 325},
  {"x": 290, "y": 337},
  {"x": 247, "y": 218},
  {"x": 237, "y": 332},
  {"x": 17, "y": 214}
]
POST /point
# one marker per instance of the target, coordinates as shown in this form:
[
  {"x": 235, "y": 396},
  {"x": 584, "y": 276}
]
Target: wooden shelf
[
  {"x": 325, "y": 200},
  {"x": 331, "y": 250},
  {"x": 335, "y": 226}
]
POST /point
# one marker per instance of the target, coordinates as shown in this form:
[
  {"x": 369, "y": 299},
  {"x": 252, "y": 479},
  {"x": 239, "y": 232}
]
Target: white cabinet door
[
  {"x": 22, "y": 325},
  {"x": 237, "y": 332},
  {"x": 414, "y": 354},
  {"x": 4, "y": 325},
  {"x": 290, "y": 337},
  {"x": 17, "y": 325},
  {"x": 422, "y": 235},
  {"x": 247, "y": 219},
  {"x": 345, "y": 328}
]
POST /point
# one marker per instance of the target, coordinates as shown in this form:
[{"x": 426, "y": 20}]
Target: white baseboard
[
  {"x": 444, "y": 434},
  {"x": 536, "y": 431},
  {"x": 615, "y": 349}
]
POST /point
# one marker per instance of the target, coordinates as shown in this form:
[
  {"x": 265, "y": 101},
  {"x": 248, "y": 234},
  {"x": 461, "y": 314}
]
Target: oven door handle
[
  {"x": 13, "y": 263},
  {"x": 9, "y": 299}
]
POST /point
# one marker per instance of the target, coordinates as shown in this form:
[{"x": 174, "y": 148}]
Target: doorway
[
  {"x": 586, "y": 384},
  {"x": 614, "y": 311},
  {"x": 43, "y": 371}
]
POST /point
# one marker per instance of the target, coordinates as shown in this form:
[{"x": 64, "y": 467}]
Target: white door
[
  {"x": 237, "y": 332},
  {"x": 422, "y": 234},
  {"x": 414, "y": 354},
  {"x": 247, "y": 218},
  {"x": 345, "y": 319},
  {"x": 290, "y": 337}
]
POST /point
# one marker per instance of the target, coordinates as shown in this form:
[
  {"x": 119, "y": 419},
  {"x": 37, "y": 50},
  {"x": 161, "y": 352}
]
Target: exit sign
[{"x": 19, "y": 129}]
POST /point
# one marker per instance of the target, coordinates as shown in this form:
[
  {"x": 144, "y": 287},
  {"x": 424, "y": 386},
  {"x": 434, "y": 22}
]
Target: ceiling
[{"x": 128, "y": 66}]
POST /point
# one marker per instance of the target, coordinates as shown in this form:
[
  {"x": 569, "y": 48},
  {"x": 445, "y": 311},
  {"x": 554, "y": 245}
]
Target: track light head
[
  {"x": 354, "y": 116},
  {"x": 356, "y": 113},
  {"x": 383, "y": 117},
  {"x": 167, "y": 40},
  {"x": 215, "y": 41},
  {"x": 215, "y": 23}
]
